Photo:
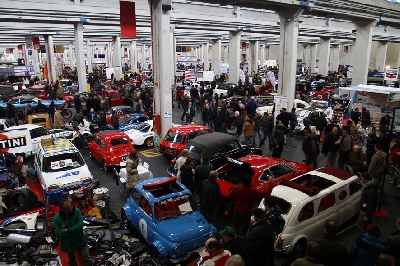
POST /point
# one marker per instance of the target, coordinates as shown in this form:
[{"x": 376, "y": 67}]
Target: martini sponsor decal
[{"x": 7, "y": 142}]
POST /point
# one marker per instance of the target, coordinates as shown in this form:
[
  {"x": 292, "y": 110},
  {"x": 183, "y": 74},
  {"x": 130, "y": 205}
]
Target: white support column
[
  {"x": 288, "y": 54},
  {"x": 324, "y": 52},
  {"x": 143, "y": 56},
  {"x": 71, "y": 57},
  {"x": 362, "y": 50},
  {"x": 133, "y": 56},
  {"x": 313, "y": 58},
  {"x": 334, "y": 58},
  {"x": 117, "y": 57},
  {"x": 205, "y": 54},
  {"x": 163, "y": 81},
  {"x": 35, "y": 57},
  {"x": 51, "y": 64},
  {"x": 89, "y": 56},
  {"x": 80, "y": 57},
  {"x": 216, "y": 56},
  {"x": 173, "y": 54},
  {"x": 261, "y": 54},
  {"x": 226, "y": 54},
  {"x": 306, "y": 55},
  {"x": 108, "y": 55},
  {"x": 253, "y": 57},
  {"x": 234, "y": 55},
  {"x": 150, "y": 54},
  {"x": 398, "y": 60},
  {"x": 380, "y": 64},
  {"x": 201, "y": 50}
]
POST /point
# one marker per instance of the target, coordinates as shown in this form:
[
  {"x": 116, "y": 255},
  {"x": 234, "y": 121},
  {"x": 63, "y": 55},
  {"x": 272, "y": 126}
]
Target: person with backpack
[{"x": 346, "y": 144}]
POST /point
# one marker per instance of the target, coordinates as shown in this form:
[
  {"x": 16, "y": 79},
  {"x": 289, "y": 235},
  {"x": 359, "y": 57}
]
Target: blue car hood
[
  {"x": 127, "y": 127},
  {"x": 183, "y": 228}
]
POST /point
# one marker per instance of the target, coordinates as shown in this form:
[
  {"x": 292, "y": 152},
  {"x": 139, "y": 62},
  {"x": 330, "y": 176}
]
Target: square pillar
[
  {"x": 51, "y": 64},
  {"x": 380, "y": 64},
  {"x": 362, "y": 50},
  {"x": 162, "y": 50},
  {"x": 313, "y": 57},
  {"x": 234, "y": 55},
  {"x": 287, "y": 60},
  {"x": 216, "y": 57},
  {"x": 35, "y": 57},
  {"x": 253, "y": 57},
  {"x": 80, "y": 57},
  {"x": 150, "y": 51},
  {"x": 261, "y": 54},
  {"x": 324, "y": 52},
  {"x": 71, "y": 57},
  {"x": 143, "y": 56},
  {"x": 117, "y": 57},
  {"x": 334, "y": 58},
  {"x": 133, "y": 56},
  {"x": 89, "y": 56},
  {"x": 205, "y": 55}
]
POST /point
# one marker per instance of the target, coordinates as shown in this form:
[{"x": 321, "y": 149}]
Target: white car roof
[{"x": 24, "y": 126}]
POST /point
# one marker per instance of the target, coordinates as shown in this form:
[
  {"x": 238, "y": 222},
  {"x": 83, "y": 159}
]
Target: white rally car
[
  {"x": 141, "y": 134},
  {"x": 61, "y": 169}
]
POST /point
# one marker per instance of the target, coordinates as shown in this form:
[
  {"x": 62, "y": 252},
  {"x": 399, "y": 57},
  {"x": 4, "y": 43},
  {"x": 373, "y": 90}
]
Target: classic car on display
[
  {"x": 124, "y": 111},
  {"x": 69, "y": 93},
  {"x": 38, "y": 90},
  {"x": 115, "y": 97},
  {"x": 301, "y": 114},
  {"x": 21, "y": 102},
  {"x": 165, "y": 214},
  {"x": 217, "y": 146},
  {"x": 110, "y": 148},
  {"x": 40, "y": 119},
  {"x": 309, "y": 200},
  {"x": 141, "y": 134},
  {"x": 177, "y": 137},
  {"x": 260, "y": 168}
]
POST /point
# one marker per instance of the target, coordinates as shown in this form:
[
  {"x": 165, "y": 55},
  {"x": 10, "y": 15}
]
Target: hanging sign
[
  {"x": 127, "y": 18},
  {"x": 391, "y": 74},
  {"x": 243, "y": 46},
  {"x": 36, "y": 43},
  {"x": 28, "y": 42}
]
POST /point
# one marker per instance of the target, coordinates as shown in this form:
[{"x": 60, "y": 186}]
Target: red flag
[
  {"x": 127, "y": 19},
  {"x": 36, "y": 43},
  {"x": 20, "y": 49},
  {"x": 243, "y": 46},
  {"x": 346, "y": 49}
]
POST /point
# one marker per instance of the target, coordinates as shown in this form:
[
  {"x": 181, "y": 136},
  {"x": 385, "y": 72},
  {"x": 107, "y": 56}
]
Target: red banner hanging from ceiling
[
  {"x": 36, "y": 43},
  {"x": 346, "y": 49},
  {"x": 243, "y": 46},
  {"x": 127, "y": 18},
  {"x": 20, "y": 49}
]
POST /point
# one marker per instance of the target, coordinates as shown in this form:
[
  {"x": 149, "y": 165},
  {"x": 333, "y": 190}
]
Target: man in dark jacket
[
  {"x": 211, "y": 197},
  {"x": 114, "y": 120},
  {"x": 218, "y": 120},
  {"x": 261, "y": 236},
  {"x": 267, "y": 125},
  {"x": 277, "y": 139},
  {"x": 201, "y": 173},
  {"x": 369, "y": 199},
  {"x": 356, "y": 115},
  {"x": 187, "y": 175},
  {"x": 184, "y": 103},
  {"x": 330, "y": 148},
  {"x": 320, "y": 123},
  {"x": 371, "y": 141},
  {"x": 393, "y": 243},
  {"x": 357, "y": 160},
  {"x": 237, "y": 244},
  {"x": 251, "y": 106},
  {"x": 190, "y": 113},
  {"x": 332, "y": 251},
  {"x": 207, "y": 115},
  {"x": 285, "y": 117},
  {"x": 239, "y": 123},
  {"x": 310, "y": 148},
  {"x": 77, "y": 102}
]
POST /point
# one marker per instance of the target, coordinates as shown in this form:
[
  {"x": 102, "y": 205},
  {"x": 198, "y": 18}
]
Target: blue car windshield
[{"x": 174, "y": 207}]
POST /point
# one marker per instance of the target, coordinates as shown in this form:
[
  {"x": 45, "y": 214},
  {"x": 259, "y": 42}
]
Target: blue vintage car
[
  {"x": 164, "y": 213},
  {"x": 133, "y": 121},
  {"x": 21, "y": 102}
]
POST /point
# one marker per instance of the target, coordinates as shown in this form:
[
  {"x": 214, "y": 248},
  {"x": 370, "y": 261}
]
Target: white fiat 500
[{"x": 310, "y": 199}]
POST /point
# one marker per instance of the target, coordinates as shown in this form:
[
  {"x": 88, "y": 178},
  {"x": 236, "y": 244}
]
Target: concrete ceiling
[{"x": 196, "y": 23}]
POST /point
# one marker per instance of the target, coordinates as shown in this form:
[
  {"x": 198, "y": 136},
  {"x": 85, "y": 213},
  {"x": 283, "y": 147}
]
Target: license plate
[{"x": 124, "y": 158}]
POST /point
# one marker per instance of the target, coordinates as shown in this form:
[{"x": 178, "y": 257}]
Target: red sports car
[
  {"x": 177, "y": 137},
  {"x": 110, "y": 148},
  {"x": 260, "y": 168}
]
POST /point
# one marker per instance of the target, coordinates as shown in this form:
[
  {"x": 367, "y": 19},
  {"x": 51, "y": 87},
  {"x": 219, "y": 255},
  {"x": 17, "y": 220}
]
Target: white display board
[
  {"x": 109, "y": 71},
  {"x": 208, "y": 75},
  {"x": 280, "y": 102}
]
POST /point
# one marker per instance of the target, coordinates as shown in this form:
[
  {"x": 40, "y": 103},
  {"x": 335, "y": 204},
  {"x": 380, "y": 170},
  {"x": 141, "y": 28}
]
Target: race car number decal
[{"x": 143, "y": 227}]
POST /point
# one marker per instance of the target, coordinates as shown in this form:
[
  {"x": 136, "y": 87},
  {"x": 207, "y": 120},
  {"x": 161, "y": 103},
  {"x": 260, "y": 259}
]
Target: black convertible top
[{"x": 208, "y": 143}]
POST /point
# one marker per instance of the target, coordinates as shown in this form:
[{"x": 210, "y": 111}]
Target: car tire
[
  {"x": 104, "y": 166},
  {"x": 149, "y": 142},
  {"x": 156, "y": 255},
  {"x": 126, "y": 224},
  {"x": 299, "y": 250}
]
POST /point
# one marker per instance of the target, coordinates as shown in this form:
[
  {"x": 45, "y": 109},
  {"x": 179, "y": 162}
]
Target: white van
[
  {"x": 61, "y": 168},
  {"x": 22, "y": 140}
]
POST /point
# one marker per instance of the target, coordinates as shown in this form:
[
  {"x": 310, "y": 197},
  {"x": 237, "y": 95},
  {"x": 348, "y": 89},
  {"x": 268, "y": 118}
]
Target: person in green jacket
[{"x": 68, "y": 225}]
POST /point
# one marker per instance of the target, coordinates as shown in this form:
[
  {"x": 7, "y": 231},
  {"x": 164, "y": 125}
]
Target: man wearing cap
[
  {"x": 238, "y": 245},
  {"x": 217, "y": 255},
  {"x": 261, "y": 236}
]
